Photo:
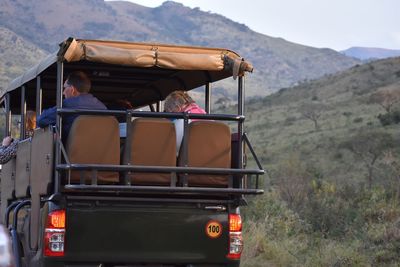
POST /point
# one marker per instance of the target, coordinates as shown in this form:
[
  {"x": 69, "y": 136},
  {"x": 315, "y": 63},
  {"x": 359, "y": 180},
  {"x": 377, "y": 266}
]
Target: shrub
[
  {"x": 347, "y": 113},
  {"x": 293, "y": 181},
  {"x": 389, "y": 118},
  {"x": 336, "y": 226},
  {"x": 274, "y": 234},
  {"x": 290, "y": 120},
  {"x": 327, "y": 213}
]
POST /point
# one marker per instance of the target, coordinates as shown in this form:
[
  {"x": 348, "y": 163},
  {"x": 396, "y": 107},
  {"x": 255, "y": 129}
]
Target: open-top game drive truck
[{"x": 104, "y": 198}]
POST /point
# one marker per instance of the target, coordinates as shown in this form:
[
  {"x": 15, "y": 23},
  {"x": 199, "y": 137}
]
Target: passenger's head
[
  {"x": 30, "y": 123},
  {"x": 76, "y": 83},
  {"x": 177, "y": 101}
]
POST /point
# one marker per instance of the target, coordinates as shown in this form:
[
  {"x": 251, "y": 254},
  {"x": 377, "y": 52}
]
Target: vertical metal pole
[
  {"x": 240, "y": 124},
  {"x": 23, "y": 113},
  {"x": 127, "y": 157},
  {"x": 38, "y": 96},
  {"x": 60, "y": 71},
  {"x": 7, "y": 130},
  {"x": 240, "y": 129},
  {"x": 185, "y": 150},
  {"x": 208, "y": 98},
  {"x": 158, "y": 106}
]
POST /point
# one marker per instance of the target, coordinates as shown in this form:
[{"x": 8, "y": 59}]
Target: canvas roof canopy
[{"x": 142, "y": 73}]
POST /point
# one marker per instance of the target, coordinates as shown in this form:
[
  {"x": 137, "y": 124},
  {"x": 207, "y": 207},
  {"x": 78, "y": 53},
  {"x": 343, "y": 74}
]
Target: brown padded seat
[
  {"x": 41, "y": 175},
  {"x": 153, "y": 144},
  {"x": 7, "y": 185},
  {"x": 209, "y": 146},
  {"x": 23, "y": 172},
  {"x": 94, "y": 140}
]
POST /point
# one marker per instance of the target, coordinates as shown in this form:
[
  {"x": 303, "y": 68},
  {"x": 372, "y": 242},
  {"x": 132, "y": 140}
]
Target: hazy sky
[{"x": 337, "y": 24}]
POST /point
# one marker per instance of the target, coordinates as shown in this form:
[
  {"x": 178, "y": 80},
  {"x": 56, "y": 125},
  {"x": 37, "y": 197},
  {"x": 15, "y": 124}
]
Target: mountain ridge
[
  {"x": 278, "y": 63},
  {"x": 370, "y": 53}
]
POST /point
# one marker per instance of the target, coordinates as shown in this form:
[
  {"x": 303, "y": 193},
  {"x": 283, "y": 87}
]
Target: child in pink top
[{"x": 180, "y": 101}]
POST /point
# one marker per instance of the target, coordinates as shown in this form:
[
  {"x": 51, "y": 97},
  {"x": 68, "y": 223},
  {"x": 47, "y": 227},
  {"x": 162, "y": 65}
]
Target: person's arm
[
  {"x": 8, "y": 152},
  {"x": 48, "y": 117},
  {"x": 7, "y": 141}
]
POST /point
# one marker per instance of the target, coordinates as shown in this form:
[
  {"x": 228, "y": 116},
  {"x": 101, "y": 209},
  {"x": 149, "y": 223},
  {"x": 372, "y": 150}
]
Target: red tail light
[
  {"x": 235, "y": 237},
  {"x": 54, "y": 234},
  {"x": 235, "y": 223}
]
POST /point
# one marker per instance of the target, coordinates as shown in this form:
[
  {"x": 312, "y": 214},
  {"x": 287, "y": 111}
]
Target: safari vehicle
[{"x": 102, "y": 199}]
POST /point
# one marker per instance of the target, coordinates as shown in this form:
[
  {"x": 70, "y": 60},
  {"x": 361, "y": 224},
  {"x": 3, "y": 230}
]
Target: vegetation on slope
[
  {"x": 333, "y": 188},
  {"x": 15, "y": 55}
]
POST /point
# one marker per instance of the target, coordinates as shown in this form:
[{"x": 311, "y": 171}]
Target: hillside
[
  {"x": 16, "y": 53},
  {"x": 370, "y": 53},
  {"x": 332, "y": 188},
  {"x": 278, "y": 63},
  {"x": 344, "y": 107}
]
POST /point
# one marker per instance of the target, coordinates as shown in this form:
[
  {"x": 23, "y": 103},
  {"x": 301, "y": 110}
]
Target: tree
[
  {"x": 293, "y": 181},
  {"x": 347, "y": 114},
  {"x": 312, "y": 111},
  {"x": 386, "y": 98},
  {"x": 369, "y": 147}
]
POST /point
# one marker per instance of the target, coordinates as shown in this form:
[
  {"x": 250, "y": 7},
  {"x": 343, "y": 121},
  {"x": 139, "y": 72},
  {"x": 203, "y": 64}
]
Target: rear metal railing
[{"x": 237, "y": 175}]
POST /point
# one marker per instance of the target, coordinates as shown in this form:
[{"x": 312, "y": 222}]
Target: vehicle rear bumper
[{"x": 57, "y": 263}]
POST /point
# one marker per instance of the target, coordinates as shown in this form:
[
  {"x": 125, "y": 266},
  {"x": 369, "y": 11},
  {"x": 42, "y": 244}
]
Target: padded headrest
[
  {"x": 153, "y": 144},
  {"x": 209, "y": 146},
  {"x": 94, "y": 140}
]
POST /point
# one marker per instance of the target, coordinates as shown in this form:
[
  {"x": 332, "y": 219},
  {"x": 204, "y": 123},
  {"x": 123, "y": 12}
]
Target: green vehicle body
[
  {"x": 123, "y": 224},
  {"x": 152, "y": 233}
]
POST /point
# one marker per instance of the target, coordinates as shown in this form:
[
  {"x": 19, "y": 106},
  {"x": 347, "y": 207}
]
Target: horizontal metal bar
[
  {"x": 157, "y": 169},
  {"x": 148, "y": 114},
  {"x": 151, "y": 199},
  {"x": 161, "y": 189}
]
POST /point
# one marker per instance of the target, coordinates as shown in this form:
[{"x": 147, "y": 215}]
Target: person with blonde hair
[
  {"x": 180, "y": 101},
  {"x": 30, "y": 123},
  {"x": 9, "y": 146}
]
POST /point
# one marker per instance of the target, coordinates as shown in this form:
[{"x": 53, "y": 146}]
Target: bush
[
  {"x": 329, "y": 214},
  {"x": 389, "y": 118},
  {"x": 276, "y": 235},
  {"x": 290, "y": 121},
  {"x": 347, "y": 113},
  {"x": 272, "y": 232},
  {"x": 292, "y": 181}
]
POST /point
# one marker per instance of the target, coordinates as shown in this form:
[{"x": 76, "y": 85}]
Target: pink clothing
[{"x": 193, "y": 108}]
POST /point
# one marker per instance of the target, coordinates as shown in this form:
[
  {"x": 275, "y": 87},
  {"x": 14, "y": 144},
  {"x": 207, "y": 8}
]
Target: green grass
[{"x": 319, "y": 208}]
